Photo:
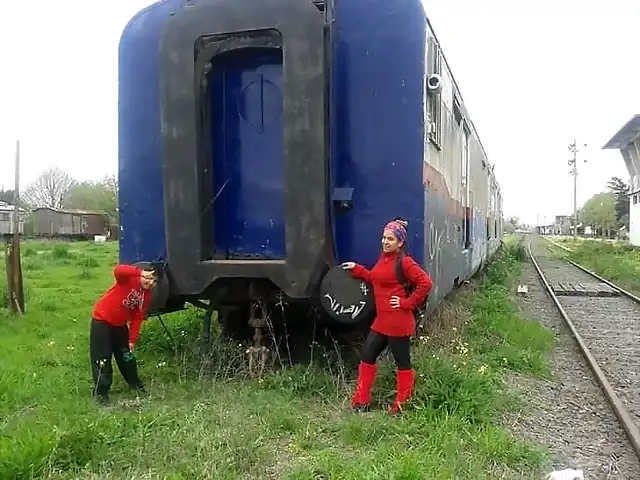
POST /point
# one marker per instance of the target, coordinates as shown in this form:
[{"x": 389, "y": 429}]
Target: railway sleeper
[{"x": 581, "y": 289}]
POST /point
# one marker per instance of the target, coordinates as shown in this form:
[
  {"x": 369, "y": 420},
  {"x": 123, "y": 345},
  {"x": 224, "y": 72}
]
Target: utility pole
[
  {"x": 573, "y": 148},
  {"x": 14, "y": 268}
]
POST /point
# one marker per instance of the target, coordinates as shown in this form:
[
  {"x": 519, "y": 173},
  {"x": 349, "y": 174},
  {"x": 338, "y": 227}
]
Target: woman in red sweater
[
  {"x": 394, "y": 323},
  {"x": 126, "y": 302}
]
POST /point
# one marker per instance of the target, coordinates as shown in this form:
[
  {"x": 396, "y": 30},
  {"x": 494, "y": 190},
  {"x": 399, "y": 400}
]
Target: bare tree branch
[{"x": 50, "y": 189}]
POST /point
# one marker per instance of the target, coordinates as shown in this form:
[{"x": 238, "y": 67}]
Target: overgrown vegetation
[
  {"x": 211, "y": 421},
  {"x": 618, "y": 262}
]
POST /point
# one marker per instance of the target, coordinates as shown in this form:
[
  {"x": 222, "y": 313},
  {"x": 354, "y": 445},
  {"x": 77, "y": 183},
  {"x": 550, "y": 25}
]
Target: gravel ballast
[{"x": 569, "y": 414}]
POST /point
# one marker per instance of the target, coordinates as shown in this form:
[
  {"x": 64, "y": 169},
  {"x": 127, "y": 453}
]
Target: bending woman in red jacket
[
  {"x": 394, "y": 324},
  {"x": 126, "y": 302}
]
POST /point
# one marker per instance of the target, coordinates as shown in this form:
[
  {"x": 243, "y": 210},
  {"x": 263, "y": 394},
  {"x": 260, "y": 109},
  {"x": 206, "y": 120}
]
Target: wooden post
[
  {"x": 14, "y": 270},
  {"x": 8, "y": 261}
]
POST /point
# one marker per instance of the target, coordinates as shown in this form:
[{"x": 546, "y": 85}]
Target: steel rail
[
  {"x": 621, "y": 412},
  {"x": 626, "y": 293}
]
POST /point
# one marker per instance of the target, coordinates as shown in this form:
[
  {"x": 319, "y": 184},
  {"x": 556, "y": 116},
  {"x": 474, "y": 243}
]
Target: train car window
[
  {"x": 457, "y": 112},
  {"x": 468, "y": 221},
  {"x": 466, "y": 238}
]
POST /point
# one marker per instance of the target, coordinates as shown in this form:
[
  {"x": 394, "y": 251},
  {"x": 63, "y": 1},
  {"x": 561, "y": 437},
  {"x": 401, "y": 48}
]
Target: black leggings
[
  {"x": 106, "y": 341},
  {"x": 400, "y": 349}
]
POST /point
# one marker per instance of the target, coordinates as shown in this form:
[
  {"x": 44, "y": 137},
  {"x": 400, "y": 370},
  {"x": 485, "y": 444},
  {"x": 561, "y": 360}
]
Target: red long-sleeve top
[
  {"x": 125, "y": 302},
  {"x": 395, "y": 322}
]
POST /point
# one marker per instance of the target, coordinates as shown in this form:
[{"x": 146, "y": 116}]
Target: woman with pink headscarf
[{"x": 394, "y": 323}]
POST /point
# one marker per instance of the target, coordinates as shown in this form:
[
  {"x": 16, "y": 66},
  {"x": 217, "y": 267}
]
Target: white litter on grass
[{"x": 566, "y": 474}]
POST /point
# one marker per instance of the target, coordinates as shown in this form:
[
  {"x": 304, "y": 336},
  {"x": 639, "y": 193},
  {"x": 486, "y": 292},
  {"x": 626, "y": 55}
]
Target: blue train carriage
[{"x": 262, "y": 143}]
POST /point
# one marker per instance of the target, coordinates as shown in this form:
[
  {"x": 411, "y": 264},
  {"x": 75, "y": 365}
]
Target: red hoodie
[
  {"x": 126, "y": 301},
  {"x": 395, "y": 322}
]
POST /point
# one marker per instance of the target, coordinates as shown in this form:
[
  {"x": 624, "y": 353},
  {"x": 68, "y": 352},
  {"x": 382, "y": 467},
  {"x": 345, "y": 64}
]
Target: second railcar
[{"x": 262, "y": 143}]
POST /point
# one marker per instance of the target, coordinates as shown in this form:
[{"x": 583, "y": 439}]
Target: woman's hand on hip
[{"x": 394, "y": 301}]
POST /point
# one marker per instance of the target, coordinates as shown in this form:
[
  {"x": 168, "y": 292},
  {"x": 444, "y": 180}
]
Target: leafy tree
[
  {"x": 51, "y": 189},
  {"x": 508, "y": 227},
  {"x": 6, "y": 196},
  {"x": 620, "y": 191},
  {"x": 101, "y": 196},
  {"x": 599, "y": 212}
]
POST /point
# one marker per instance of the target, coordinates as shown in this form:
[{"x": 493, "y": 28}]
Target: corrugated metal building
[{"x": 54, "y": 222}]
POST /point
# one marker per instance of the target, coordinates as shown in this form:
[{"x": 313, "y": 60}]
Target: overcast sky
[{"x": 534, "y": 74}]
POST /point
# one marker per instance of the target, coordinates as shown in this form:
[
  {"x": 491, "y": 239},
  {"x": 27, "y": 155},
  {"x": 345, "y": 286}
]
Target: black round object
[
  {"x": 160, "y": 292},
  {"x": 345, "y": 299}
]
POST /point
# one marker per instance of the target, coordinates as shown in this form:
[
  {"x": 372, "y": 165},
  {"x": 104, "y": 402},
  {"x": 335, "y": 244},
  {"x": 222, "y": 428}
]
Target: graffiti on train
[
  {"x": 352, "y": 310},
  {"x": 435, "y": 251}
]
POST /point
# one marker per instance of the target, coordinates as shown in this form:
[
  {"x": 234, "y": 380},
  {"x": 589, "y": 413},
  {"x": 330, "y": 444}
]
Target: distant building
[
  {"x": 562, "y": 225},
  {"x": 54, "y": 222},
  {"x": 627, "y": 140},
  {"x": 546, "y": 229},
  {"x": 6, "y": 219}
]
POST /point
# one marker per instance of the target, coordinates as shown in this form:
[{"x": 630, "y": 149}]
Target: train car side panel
[
  {"x": 377, "y": 114},
  {"x": 479, "y": 187},
  {"x": 494, "y": 222},
  {"x": 456, "y": 174},
  {"x": 141, "y": 202},
  {"x": 444, "y": 255}
]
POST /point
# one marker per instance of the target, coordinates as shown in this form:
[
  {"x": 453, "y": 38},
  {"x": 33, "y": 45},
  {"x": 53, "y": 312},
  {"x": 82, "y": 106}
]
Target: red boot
[
  {"x": 404, "y": 381},
  {"x": 366, "y": 376}
]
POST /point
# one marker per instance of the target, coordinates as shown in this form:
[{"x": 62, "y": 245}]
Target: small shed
[
  {"x": 55, "y": 222},
  {"x": 6, "y": 219}
]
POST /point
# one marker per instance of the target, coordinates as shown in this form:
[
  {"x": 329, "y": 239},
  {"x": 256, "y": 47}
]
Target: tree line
[
  {"x": 55, "y": 188},
  {"x": 606, "y": 212}
]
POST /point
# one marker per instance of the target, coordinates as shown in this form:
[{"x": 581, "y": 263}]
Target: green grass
[
  {"x": 619, "y": 263},
  {"x": 212, "y": 421},
  {"x": 511, "y": 238}
]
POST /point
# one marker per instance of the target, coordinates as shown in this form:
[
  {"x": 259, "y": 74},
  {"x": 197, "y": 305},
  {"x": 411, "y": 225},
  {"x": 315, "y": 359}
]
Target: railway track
[{"x": 604, "y": 319}]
